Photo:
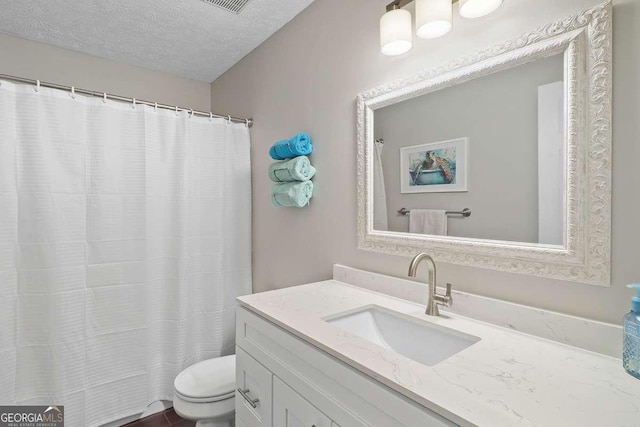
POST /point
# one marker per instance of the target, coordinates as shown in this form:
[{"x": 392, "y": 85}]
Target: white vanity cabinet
[
  {"x": 292, "y": 410},
  {"x": 254, "y": 391},
  {"x": 299, "y": 385}
]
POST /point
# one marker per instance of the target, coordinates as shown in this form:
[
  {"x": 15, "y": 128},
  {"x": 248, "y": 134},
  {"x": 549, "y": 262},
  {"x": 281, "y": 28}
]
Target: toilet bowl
[{"x": 205, "y": 392}]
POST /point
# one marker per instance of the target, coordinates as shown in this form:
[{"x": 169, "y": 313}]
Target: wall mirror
[{"x": 499, "y": 160}]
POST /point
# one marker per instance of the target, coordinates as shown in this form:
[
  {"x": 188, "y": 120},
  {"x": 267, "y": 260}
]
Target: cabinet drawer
[
  {"x": 292, "y": 410},
  {"x": 253, "y": 394}
]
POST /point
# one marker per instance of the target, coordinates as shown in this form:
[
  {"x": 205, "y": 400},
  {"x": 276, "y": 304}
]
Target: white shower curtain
[
  {"x": 380, "y": 219},
  {"x": 125, "y": 236}
]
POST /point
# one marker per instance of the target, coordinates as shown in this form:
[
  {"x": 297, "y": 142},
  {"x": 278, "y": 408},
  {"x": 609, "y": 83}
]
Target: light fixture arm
[{"x": 399, "y": 4}]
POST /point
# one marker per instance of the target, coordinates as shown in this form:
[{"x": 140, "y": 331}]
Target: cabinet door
[
  {"x": 292, "y": 410},
  {"x": 253, "y": 394}
]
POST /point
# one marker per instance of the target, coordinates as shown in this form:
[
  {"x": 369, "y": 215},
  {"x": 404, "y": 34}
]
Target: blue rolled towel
[{"x": 299, "y": 145}]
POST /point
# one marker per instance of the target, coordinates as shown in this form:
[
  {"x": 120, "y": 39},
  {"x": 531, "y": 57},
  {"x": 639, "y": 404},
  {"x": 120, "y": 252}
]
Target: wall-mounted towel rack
[{"x": 466, "y": 212}]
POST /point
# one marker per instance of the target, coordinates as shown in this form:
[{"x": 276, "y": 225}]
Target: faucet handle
[
  {"x": 446, "y": 299},
  {"x": 449, "y": 286}
]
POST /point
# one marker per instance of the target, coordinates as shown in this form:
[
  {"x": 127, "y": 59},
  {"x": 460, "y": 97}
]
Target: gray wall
[
  {"x": 306, "y": 77},
  {"x": 499, "y": 115},
  {"x": 24, "y": 58}
]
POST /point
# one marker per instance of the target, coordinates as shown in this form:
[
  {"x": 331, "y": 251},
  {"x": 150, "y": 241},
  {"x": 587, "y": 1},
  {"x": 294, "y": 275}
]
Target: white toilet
[{"x": 205, "y": 392}]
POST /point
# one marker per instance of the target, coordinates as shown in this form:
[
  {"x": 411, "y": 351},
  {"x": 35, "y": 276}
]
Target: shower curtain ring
[
  {"x": 133, "y": 105},
  {"x": 73, "y": 92},
  {"x": 176, "y": 110},
  {"x": 37, "y": 86},
  {"x": 104, "y": 97},
  {"x": 229, "y": 119},
  {"x": 210, "y": 116},
  {"x": 246, "y": 122},
  {"x": 155, "y": 107},
  {"x": 191, "y": 113}
]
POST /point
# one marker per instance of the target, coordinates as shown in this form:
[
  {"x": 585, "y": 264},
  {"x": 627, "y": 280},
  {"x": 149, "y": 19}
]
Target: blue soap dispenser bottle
[{"x": 631, "y": 349}]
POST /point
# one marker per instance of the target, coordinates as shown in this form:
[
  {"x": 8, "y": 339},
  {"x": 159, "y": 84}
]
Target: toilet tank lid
[{"x": 210, "y": 378}]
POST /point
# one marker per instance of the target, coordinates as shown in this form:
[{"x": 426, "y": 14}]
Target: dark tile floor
[{"x": 168, "y": 418}]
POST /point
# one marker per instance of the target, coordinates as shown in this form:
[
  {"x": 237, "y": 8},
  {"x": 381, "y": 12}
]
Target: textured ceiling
[{"x": 190, "y": 38}]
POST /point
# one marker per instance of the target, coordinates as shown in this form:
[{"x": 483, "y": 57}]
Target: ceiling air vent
[{"x": 234, "y": 6}]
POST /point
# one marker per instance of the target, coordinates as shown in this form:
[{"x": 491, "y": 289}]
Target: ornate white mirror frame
[{"x": 585, "y": 40}]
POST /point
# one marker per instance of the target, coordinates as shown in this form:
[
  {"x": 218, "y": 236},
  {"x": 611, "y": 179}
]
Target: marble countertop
[{"x": 506, "y": 379}]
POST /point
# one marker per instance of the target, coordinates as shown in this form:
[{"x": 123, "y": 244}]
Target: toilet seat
[
  {"x": 208, "y": 381},
  {"x": 212, "y": 399}
]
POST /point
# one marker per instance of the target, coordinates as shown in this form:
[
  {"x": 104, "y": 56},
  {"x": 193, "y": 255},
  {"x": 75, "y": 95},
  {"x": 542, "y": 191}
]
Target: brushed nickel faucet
[{"x": 434, "y": 299}]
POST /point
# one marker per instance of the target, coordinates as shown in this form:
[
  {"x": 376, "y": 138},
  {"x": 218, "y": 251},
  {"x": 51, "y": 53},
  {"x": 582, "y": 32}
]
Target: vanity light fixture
[
  {"x": 478, "y": 8},
  {"x": 434, "y": 18},
  {"x": 395, "y": 32}
]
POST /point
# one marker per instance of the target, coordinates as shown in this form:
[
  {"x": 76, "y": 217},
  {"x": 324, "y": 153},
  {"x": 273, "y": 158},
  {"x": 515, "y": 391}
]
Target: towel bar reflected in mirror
[{"x": 466, "y": 212}]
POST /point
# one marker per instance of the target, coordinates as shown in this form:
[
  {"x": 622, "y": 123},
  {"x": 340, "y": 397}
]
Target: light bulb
[
  {"x": 395, "y": 32},
  {"x": 433, "y": 18},
  {"x": 478, "y": 8}
]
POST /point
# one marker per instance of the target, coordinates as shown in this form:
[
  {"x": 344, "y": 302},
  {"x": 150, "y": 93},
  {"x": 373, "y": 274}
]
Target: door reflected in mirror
[{"x": 495, "y": 145}]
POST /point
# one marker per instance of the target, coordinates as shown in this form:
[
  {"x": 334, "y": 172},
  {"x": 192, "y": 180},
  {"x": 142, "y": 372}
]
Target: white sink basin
[{"x": 422, "y": 341}]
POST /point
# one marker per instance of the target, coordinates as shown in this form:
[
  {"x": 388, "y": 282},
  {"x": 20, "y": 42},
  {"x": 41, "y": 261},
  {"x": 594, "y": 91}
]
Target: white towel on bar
[{"x": 428, "y": 221}]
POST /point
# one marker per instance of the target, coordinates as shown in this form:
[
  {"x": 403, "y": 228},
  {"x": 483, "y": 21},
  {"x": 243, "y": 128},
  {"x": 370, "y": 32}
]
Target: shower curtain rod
[{"x": 38, "y": 83}]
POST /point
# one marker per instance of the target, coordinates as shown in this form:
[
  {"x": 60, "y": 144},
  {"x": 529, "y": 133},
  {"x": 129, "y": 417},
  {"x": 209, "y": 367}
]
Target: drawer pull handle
[{"x": 250, "y": 401}]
